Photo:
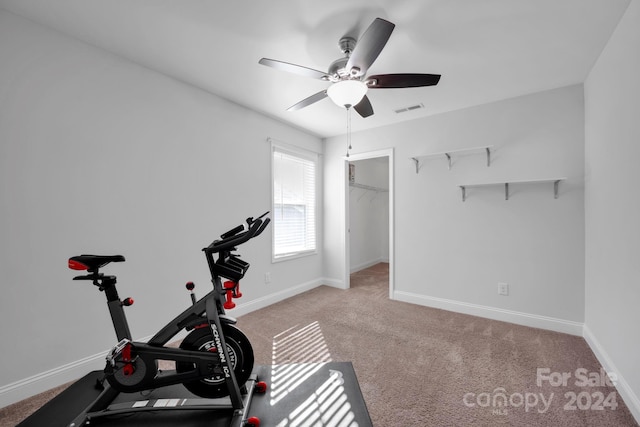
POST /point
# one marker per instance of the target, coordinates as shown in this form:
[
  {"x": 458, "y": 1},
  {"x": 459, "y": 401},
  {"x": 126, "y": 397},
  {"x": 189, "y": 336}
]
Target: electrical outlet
[
  {"x": 503, "y": 289},
  {"x": 267, "y": 277}
]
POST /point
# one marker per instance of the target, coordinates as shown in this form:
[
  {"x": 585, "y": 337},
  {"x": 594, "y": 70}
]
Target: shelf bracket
[
  {"x": 448, "y": 159},
  {"x": 464, "y": 193},
  {"x": 417, "y": 162},
  {"x": 506, "y": 191},
  {"x": 488, "y": 156},
  {"x": 556, "y": 183}
]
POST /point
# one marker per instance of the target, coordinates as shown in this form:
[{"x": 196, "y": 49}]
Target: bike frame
[{"x": 208, "y": 310}]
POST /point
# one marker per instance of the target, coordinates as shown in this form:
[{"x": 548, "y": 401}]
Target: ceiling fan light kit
[
  {"x": 347, "y": 93},
  {"x": 349, "y": 85}
]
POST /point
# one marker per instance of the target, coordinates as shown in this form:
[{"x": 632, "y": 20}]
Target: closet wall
[{"x": 369, "y": 213}]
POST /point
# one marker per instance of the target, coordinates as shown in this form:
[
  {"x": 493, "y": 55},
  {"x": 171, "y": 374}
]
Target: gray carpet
[
  {"x": 422, "y": 366},
  {"x": 416, "y": 364}
]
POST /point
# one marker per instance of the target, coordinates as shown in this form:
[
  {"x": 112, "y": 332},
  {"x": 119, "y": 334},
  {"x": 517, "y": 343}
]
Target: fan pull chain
[{"x": 348, "y": 130}]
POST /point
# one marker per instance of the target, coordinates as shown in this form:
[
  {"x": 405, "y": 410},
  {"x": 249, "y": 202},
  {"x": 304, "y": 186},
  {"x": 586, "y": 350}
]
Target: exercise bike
[{"x": 215, "y": 359}]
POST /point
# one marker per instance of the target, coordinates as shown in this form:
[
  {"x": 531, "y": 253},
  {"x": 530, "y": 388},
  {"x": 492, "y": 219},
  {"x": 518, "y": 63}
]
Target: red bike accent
[
  {"x": 229, "y": 285},
  {"x": 128, "y": 368},
  {"x": 253, "y": 422},
  {"x": 261, "y": 387},
  {"x": 75, "y": 265}
]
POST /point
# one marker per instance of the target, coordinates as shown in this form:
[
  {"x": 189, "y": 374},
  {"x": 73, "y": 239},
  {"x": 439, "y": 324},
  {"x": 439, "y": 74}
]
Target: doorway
[{"x": 369, "y": 214}]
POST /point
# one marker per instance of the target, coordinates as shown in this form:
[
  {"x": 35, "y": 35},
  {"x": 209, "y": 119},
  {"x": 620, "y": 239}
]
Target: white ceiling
[{"x": 485, "y": 50}]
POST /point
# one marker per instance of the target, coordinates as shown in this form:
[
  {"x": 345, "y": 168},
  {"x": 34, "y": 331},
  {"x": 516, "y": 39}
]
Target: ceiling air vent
[{"x": 410, "y": 108}]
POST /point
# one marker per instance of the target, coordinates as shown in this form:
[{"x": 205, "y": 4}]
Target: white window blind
[{"x": 294, "y": 202}]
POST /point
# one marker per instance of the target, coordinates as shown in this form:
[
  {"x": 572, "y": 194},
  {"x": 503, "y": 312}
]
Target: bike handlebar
[{"x": 236, "y": 236}]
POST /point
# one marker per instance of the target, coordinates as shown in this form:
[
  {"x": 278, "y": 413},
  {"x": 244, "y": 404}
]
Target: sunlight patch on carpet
[
  {"x": 298, "y": 353},
  {"x": 326, "y": 406}
]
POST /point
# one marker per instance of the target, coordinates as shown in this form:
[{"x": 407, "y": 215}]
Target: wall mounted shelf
[
  {"x": 367, "y": 188},
  {"x": 449, "y": 154},
  {"x": 555, "y": 181}
]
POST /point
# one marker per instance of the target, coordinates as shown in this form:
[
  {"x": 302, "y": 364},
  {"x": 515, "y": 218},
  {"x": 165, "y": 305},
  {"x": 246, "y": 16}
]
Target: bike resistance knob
[{"x": 190, "y": 287}]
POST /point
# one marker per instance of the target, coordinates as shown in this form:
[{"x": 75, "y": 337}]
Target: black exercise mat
[
  {"x": 311, "y": 394},
  {"x": 58, "y": 411},
  {"x": 297, "y": 394}
]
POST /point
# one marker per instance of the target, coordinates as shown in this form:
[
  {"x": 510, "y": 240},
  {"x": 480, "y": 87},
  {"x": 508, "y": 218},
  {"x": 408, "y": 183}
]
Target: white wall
[
  {"x": 452, "y": 254},
  {"x": 99, "y": 155},
  {"x": 612, "y": 105},
  {"x": 369, "y": 214}
]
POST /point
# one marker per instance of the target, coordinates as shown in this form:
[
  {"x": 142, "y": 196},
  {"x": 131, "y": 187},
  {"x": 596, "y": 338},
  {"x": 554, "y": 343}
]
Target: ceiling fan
[{"x": 347, "y": 75}]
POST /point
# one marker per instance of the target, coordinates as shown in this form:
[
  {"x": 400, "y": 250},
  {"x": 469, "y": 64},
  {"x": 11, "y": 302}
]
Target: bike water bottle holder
[{"x": 231, "y": 267}]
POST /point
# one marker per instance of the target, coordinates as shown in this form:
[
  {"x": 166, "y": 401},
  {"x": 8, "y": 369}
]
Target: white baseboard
[
  {"x": 267, "y": 300},
  {"x": 27, "y": 387},
  {"x": 367, "y": 264},
  {"x": 334, "y": 283},
  {"x": 519, "y": 318},
  {"x": 626, "y": 392}
]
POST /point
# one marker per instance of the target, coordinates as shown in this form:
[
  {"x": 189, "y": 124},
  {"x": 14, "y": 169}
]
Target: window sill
[{"x": 293, "y": 256}]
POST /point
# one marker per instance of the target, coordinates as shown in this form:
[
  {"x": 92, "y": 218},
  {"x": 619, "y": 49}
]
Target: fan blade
[
  {"x": 308, "y": 101},
  {"x": 369, "y": 47},
  {"x": 293, "y": 68},
  {"x": 364, "y": 107},
  {"x": 394, "y": 81}
]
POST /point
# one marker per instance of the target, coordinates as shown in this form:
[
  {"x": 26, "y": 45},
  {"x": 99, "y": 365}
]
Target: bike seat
[{"x": 92, "y": 263}]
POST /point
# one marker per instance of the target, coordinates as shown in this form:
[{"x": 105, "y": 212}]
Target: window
[{"x": 294, "y": 202}]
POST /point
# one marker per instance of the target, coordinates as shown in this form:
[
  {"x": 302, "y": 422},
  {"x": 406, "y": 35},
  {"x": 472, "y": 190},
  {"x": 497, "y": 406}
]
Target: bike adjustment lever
[{"x": 190, "y": 287}]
